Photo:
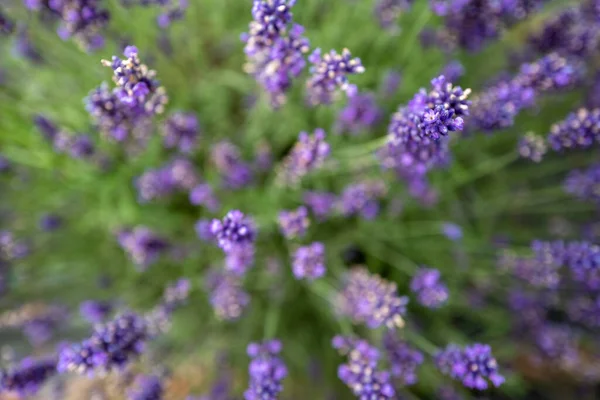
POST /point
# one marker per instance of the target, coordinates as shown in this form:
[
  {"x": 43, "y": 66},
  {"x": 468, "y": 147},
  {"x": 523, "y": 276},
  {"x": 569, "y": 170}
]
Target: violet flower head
[
  {"x": 549, "y": 73},
  {"x": 585, "y": 184},
  {"x": 360, "y": 114},
  {"x": 329, "y": 74},
  {"x": 294, "y": 223},
  {"x": 309, "y": 153},
  {"x": 473, "y": 366},
  {"x": 579, "y": 130},
  {"x": 181, "y": 131},
  {"x": 404, "y": 360},
  {"x": 558, "y": 344},
  {"x": 360, "y": 372},
  {"x": 309, "y": 261},
  {"x": 371, "y": 300},
  {"x": 321, "y": 204},
  {"x": 532, "y": 147},
  {"x": 274, "y": 48},
  {"x": 146, "y": 387},
  {"x": 227, "y": 297},
  {"x": 453, "y": 71},
  {"x": 267, "y": 371},
  {"x": 452, "y": 231},
  {"x": 227, "y": 159},
  {"x": 204, "y": 195},
  {"x": 585, "y": 309},
  {"x": 429, "y": 289},
  {"x": 95, "y": 312},
  {"x": 235, "y": 229},
  {"x": 176, "y": 294},
  {"x": 175, "y": 176},
  {"x": 239, "y": 259},
  {"x": 110, "y": 347},
  {"x": 28, "y": 376},
  {"x": 387, "y": 12},
  {"x": 204, "y": 230},
  {"x": 362, "y": 199},
  {"x": 50, "y": 222},
  {"x": 143, "y": 246}
]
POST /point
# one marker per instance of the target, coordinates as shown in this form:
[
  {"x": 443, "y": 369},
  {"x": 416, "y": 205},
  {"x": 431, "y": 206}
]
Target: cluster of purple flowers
[
  {"x": 94, "y": 311},
  {"x": 146, "y": 387},
  {"x": 235, "y": 229},
  {"x": 580, "y": 129},
  {"x": 584, "y": 184},
  {"x": 38, "y": 322},
  {"x": 181, "y": 131},
  {"x": 111, "y": 346},
  {"x": 77, "y": 146},
  {"x": 309, "y": 153},
  {"x": 11, "y": 248},
  {"x": 532, "y": 147},
  {"x": 124, "y": 112},
  {"x": 235, "y": 172},
  {"x": 371, "y": 300},
  {"x": 227, "y": 296},
  {"x": 329, "y": 73},
  {"x": 416, "y": 134},
  {"x": 473, "y": 365},
  {"x": 360, "y": 372},
  {"x": 309, "y": 261},
  {"x": 469, "y": 24},
  {"x": 267, "y": 371},
  {"x": 143, "y": 246},
  {"x": 387, "y": 12},
  {"x": 360, "y": 114},
  {"x": 275, "y": 47},
  {"x": 496, "y": 107},
  {"x": 321, "y": 204},
  {"x": 294, "y": 223},
  {"x": 404, "y": 360},
  {"x": 429, "y": 289},
  {"x": 28, "y": 376},
  {"x": 177, "y": 175},
  {"x": 203, "y": 194},
  {"x": 82, "y": 20},
  {"x": 362, "y": 199}
]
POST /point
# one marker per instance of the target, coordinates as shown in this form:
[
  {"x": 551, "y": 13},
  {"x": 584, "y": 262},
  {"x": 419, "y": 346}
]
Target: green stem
[
  {"x": 421, "y": 342},
  {"x": 486, "y": 168},
  {"x": 272, "y": 321}
]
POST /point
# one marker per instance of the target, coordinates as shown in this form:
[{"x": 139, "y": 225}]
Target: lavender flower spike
[
  {"x": 233, "y": 230},
  {"x": 473, "y": 365},
  {"x": 584, "y": 184},
  {"x": 308, "y": 154},
  {"x": 404, "y": 360},
  {"x": 267, "y": 371},
  {"x": 294, "y": 223},
  {"x": 309, "y": 261},
  {"x": 329, "y": 74},
  {"x": 146, "y": 387},
  {"x": 429, "y": 290},
  {"x": 28, "y": 376}
]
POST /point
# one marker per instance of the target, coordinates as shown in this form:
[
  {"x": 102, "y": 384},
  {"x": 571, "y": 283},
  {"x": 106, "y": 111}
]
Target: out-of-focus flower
[
  {"x": 146, "y": 387},
  {"x": 533, "y": 147},
  {"x": 362, "y": 199},
  {"x": 309, "y": 261},
  {"x": 329, "y": 74},
  {"x": 404, "y": 360},
  {"x": 387, "y": 12},
  {"x": 203, "y": 194},
  {"x": 309, "y": 153},
  {"x": 227, "y": 296},
  {"x": 181, "y": 131},
  {"x": 360, "y": 114},
  {"x": 143, "y": 246},
  {"x": 50, "y": 222},
  {"x": 95, "y": 312},
  {"x": 227, "y": 159},
  {"x": 427, "y": 285},
  {"x": 473, "y": 365},
  {"x": 294, "y": 223},
  {"x": 584, "y": 184},
  {"x": 321, "y": 204},
  {"x": 267, "y": 371},
  {"x": 580, "y": 129},
  {"x": 28, "y": 376}
]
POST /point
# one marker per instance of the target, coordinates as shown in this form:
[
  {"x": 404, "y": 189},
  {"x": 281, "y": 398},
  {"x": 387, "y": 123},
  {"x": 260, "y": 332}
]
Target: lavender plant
[{"x": 392, "y": 199}]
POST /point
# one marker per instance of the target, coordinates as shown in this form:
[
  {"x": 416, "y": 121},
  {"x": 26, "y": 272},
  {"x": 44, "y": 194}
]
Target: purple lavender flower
[
  {"x": 274, "y": 48},
  {"x": 309, "y": 261},
  {"x": 235, "y": 229},
  {"x": 557, "y": 343},
  {"x": 371, "y": 300},
  {"x": 95, "y": 312},
  {"x": 427, "y": 285},
  {"x": 177, "y": 175},
  {"x": 321, "y": 204},
  {"x": 294, "y": 223},
  {"x": 28, "y": 376},
  {"x": 203, "y": 230},
  {"x": 329, "y": 74},
  {"x": 584, "y": 184},
  {"x": 263, "y": 159},
  {"x": 362, "y": 199},
  {"x": 533, "y": 147},
  {"x": 176, "y": 294},
  {"x": 181, "y": 131},
  {"x": 473, "y": 365},
  {"x": 452, "y": 231},
  {"x": 267, "y": 371},
  {"x": 234, "y": 171},
  {"x": 125, "y": 112},
  {"x": 391, "y": 82},
  {"x": 360, "y": 372},
  {"x": 50, "y": 222},
  {"x": 579, "y": 130},
  {"x": 309, "y": 153},
  {"x": 585, "y": 309},
  {"x": 142, "y": 245},
  {"x": 453, "y": 71},
  {"x": 227, "y": 296},
  {"x": 404, "y": 360},
  {"x": 360, "y": 114},
  {"x": 111, "y": 346},
  {"x": 239, "y": 259},
  {"x": 11, "y": 248},
  {"x": 541, "y": 270},
  {"x": 448, "y": 392},
  {"x": 203, "y": 194},
  {"x": 387, "y": 12},
  {"x": 146, "y": 387}
]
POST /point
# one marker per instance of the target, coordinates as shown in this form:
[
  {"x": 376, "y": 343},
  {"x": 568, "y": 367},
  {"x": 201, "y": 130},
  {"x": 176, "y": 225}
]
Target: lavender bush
[{"x": 299, "y": 199}]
